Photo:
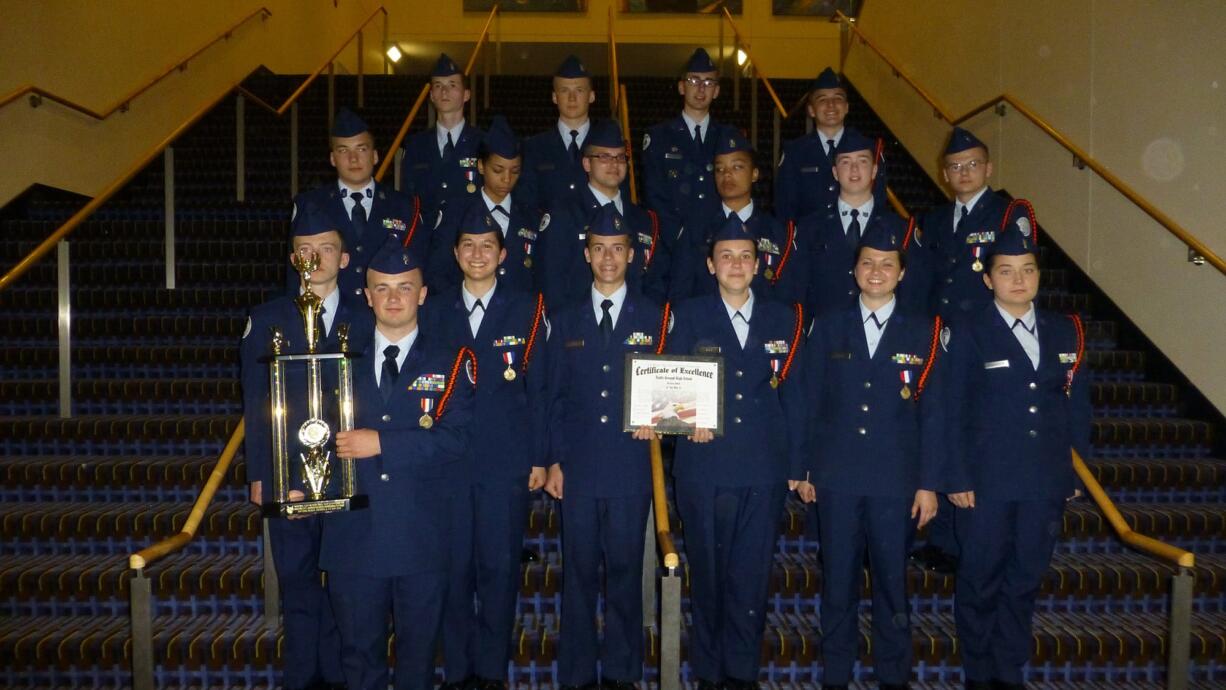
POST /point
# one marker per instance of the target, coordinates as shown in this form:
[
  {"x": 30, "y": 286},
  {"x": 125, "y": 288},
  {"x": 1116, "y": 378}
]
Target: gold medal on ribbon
[
  {"x": 471, "y": 188},
  {"x": 426, "y": 421},
  {"x": 769, "y": 274},
  {"x": 905, "y": 393},
  {"x": 977, "y": 266},
  {"x": 509, "y": 374},
  {"x": 527, "y": 262},
  {"x": 774, "y": 381}
]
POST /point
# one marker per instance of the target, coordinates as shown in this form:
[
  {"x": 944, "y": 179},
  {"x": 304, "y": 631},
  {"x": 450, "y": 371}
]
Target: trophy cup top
[{"x": 306, "y": 262}]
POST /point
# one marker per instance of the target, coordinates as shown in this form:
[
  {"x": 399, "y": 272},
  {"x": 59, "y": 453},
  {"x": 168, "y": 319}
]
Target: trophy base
[{"x": 320, "y": 507}]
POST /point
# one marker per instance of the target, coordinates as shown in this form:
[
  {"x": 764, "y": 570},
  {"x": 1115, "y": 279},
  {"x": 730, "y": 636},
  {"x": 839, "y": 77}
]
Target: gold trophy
[{"x": 316, "y": 463}]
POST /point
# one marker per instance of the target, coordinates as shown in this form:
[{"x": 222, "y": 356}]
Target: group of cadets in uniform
[{"x": 895, "y": 374}]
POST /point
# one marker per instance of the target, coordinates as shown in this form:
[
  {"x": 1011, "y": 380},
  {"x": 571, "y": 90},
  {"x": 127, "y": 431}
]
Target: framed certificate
[{"x": 674, "y": 394}]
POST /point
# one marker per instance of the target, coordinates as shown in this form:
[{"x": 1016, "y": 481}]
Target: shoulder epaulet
[
  {"x": 530, "y": 347},
  {"x": 464, "y": 358},
  {"x": 666, "y": 315},
  {"x": 934, "y": 349},
  {"x": 787, "y": 252},
  {"x": 408, "y": 236},
  {"x": 1081, "y": 352},
  {"x": 797, "y": 332}
]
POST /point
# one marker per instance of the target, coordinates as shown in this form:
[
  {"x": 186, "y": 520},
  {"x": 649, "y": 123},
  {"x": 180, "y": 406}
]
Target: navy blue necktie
[
  {"x": 574, "y": 145},
  {"x": 448, "y": 148},
  {"x": 961, "y": 221},
  {"x": 606, "y": 320},
  {"x": 390, "y": 371},
  {"x": 853, "y": 230},
  {"x": 358, "y": 215}
]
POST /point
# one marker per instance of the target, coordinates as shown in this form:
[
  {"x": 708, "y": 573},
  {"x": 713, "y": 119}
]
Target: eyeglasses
[
  {"x": 969, "y": 166},
  {"x": 707, "y": 83},
  {"x": 608, "y": 158}
]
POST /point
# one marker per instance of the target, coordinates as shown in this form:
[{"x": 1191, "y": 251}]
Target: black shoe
[
  {"x": 1002, "y": 685},
  {"x": 979, "y": 685},
  {"x": 932, "y": 557}
]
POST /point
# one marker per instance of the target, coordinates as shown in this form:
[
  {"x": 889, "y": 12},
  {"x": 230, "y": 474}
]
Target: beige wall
[
  {"x": 95, "y": 52},
  {"x": 1139, "y": 84}
]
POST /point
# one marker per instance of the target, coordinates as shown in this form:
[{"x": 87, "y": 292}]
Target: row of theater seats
[{"x": 155, "y": 384}]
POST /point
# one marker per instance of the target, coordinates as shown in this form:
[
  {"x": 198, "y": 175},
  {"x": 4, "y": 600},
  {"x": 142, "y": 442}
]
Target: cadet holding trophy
[{"x": 277, "y": 463}]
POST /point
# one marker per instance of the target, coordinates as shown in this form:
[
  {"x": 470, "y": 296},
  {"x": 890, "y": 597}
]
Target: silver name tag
[{"x": 998, "y": 364}]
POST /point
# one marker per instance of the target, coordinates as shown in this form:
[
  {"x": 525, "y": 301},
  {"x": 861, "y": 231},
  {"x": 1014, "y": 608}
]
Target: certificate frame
[{"x": 691, "y": 387}]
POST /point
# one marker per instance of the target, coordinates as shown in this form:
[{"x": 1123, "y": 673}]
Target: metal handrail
[
  {"x": 744, "y": 45},
  {"x": 118, "y": 183},
  {"x": 1185, "y": 236},
  {"x": 125, "y": 102},
  {"x": 163, "y": 548},
  {"x": 664, "y": 535}
]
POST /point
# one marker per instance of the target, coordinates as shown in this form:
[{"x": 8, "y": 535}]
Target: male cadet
[
  {"x": 311, "y": 652},
  {"x": 365, "y": 212},
  {"x": 1018, "y": 401},
  {"x": 875, "y": 457},
  {"x": 678, "y": 153},
  {"x": 607, "y": 471},
  {"x": 440, "y": 164},
  {"x": 499, "y": 161},
  {"x": 413, "y": 399},
  {"x": 564, "y": 274},
  {"x": 832, "y": 236},
  {"x": 803, "y": 183},
  {"x": 782, "y": 271},
  {"x": 731, "y": 489},
  {"x": 553, "y": 160},
  {"x": 505, "y": 328},
  {"x": 958, "y": 237}
]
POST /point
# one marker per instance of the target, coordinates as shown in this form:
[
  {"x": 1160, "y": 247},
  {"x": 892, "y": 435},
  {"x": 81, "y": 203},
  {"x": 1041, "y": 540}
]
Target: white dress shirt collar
[
  {"x": 381, "y": 343},
  {"x": 873, "y": 333},
  {"x": 441, "y": 134},
  {"x": 744, "y": 214},
  {"x": 503, "y": 219},
  {"x": 1027, "y": 335},
  {"x": 602, "y": 199},
  {"x": 618, "y": 297},
  {"x": 564, "y": 131},
  {"x": 475, "y": 315},
  {"x": 690, "y": 122},
  {"x": 970, "y": 205},
  {"x": 368, "y": 192},
  {"x": 740, "y": 318},
  {"x": 865, "y": 210}
]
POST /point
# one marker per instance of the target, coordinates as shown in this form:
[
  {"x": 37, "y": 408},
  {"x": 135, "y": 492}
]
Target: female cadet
[
  {"x": 875, "y": 478},
  {"x": 1018, "y": 402},
  {"x": 730, "y": 490}
]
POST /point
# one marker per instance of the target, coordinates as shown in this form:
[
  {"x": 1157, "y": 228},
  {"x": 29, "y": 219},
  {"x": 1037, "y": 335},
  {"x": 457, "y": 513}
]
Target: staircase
[{"x": 156, "y": 395}]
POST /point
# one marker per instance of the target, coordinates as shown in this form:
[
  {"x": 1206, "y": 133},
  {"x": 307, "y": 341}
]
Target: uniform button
[
  {"x": 851, "y": 292},
  {"x": 605, "y": 368},
  {"x": 701, "y": 178},
  {"x": 604, "y": 419},
  {"x": 1033, "y": 433},
  {"x": 702, "y": 195},
  {"x": 502, "y": 271},
  {"x": 357, "y": 291},
  {"x": 604, "y": 394},
  {"x": 1034, "y": 386},
  {"x": 359, "y": 247},
  {"x": 864, "y": 407},
  {"x": 739, "y": 396},
  {"x": 944, "y": 300},
  {"x": 358, "y": 269},
  {"x": 736, "y": 420},
  {"x": 572, "y": 185},
  {"x": 444, "y": 185},
  {"x": 387, "y": 418},
  {"x": 862, "y": 431},
  {"x": 868, "y": 384},
  {"x": 851, "y": 273},
  {"x": 384, "y": 477},
  {"x": 1033, "y": 409},
  {"x": 949, "y": 281},
  {"x": 739, "y": 373}
]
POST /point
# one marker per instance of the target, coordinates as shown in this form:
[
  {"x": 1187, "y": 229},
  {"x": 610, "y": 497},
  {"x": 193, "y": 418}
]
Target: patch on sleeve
[
  {"x": 945, "y": 335},
  {"x": 646, "y": 140}
]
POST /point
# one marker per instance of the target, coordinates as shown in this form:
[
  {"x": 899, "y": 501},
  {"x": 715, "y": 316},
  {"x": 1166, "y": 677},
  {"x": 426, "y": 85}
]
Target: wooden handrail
[
  {"x": 404, "y": 131},
  {"x": 1185, "y": 236},
  {"x": 664, "y": 536},
  {"x": 118, "y": 183},
  {"x": 468, "y": 69},
  {"x": 124, "y": 102},
  {"x": 170, "y": 545},
  {"x": 614, "y": 81},
  {"x": 625, "y": 118},
  {"x": 1149, "y": 545},
  {"x": 306, "y": 83},
  {"x": 744, "y": 45}
]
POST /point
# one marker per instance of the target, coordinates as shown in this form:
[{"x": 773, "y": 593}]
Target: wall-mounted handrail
[
  {"x": 149, "y": 554},
  {"x": 744, "y": 45},
  {"x": 481, "y": 40},
  {"x": 306, "y": 83},
  {"x": 390, "y": 158},
  {"x": 1185, "y": 236},
  {"x": 124, "y": 102},
  {"x": 126, "y": 176},
  {"x": 614, "y": 80}
]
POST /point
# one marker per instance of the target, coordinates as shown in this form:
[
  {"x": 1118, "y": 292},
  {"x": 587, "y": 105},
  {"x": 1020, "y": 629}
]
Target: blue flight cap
[
  {"x": 500, "y": 139},
  {"x": 392, "y": 258},
  {"x": 607, "y": 134},
  {"x": 884, "y": 237},
  {"x": 700, "y": 61},
  {"x": 733, "y": 228},
  {"x": 852, "y": 142},
  {"x": 1018, "y": 231},
  {"x": 478, "y": 221},
  {"x": 571, "y": 68},
  {"x": 310, "y": 219},
  {"x": 828, "y": 79},
  {"x": 348, "y": 124},
  {"x": 961, "y": 140},
  {"x": 732, "y": 142},
  {"x": 608, "y": 222},
  {"x": 445, "y": 67}
]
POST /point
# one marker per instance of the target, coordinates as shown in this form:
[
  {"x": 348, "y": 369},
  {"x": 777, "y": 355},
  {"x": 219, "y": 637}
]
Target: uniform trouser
[
  {"x": 362, "y": 605},
  {"x": 1008, "y": 547},
  {"x": 850, "y": 525},
  {"x": 312, "y": 643},
  {"x": 489, "y": 537},
  {"x": 730, "y": 535},
  {"x": 942, "y": 532},
  {"x": 595, "y": 531}
]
